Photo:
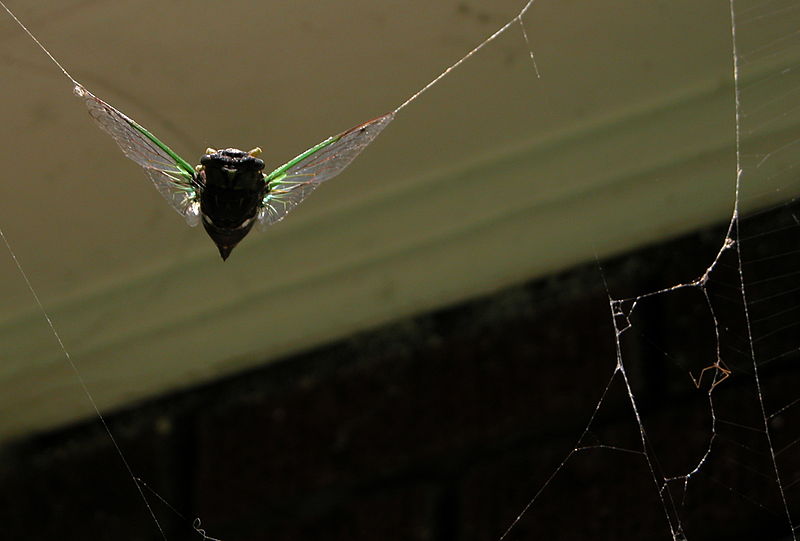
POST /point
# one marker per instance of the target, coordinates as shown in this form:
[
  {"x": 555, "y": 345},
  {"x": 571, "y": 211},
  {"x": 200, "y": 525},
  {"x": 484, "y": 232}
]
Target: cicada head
[{"x": 231, "y": 168}]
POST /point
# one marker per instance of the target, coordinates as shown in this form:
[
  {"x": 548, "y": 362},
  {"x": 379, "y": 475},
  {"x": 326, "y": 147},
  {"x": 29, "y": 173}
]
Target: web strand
[
  {"x": 49, "y": 320},
  {"x": 80, "y": 379},
  {"x": 517, "y": 18},
  {"x": 42, "y": 47},
  {"x": 481, "y": 45},
  {"x": 748, "y": 322}
]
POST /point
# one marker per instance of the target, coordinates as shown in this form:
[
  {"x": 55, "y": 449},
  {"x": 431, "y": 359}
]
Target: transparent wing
[
  {"x": 293, "y": 181},
  {"x": 171, "y": 174},
  {"x": 180, "y": 194}
]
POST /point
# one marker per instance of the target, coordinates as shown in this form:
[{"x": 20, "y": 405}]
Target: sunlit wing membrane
[
  {"x": 181, "y": 197},
  {"x": 292, "y": 182},
  {"x": 169, "y": 172}
]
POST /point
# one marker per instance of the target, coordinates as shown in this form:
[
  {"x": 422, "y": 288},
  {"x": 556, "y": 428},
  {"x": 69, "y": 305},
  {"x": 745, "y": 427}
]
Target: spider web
[{"x": 725, "y": 358}]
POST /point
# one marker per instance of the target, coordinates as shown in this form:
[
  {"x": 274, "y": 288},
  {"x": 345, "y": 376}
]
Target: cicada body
[{"x": 232, "y": 189}]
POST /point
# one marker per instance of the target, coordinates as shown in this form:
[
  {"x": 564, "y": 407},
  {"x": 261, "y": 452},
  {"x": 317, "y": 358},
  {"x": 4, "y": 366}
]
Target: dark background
[{"x": 445, "y": 426}]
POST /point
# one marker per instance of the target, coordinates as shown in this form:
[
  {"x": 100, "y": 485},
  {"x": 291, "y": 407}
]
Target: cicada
[{"x": 228, "y": 191}]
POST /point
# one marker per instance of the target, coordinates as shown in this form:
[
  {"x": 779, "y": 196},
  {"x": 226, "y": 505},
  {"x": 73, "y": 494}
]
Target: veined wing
[
  {"x": 293, "y": 181},
  {"x": 170, "y": 173}
]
